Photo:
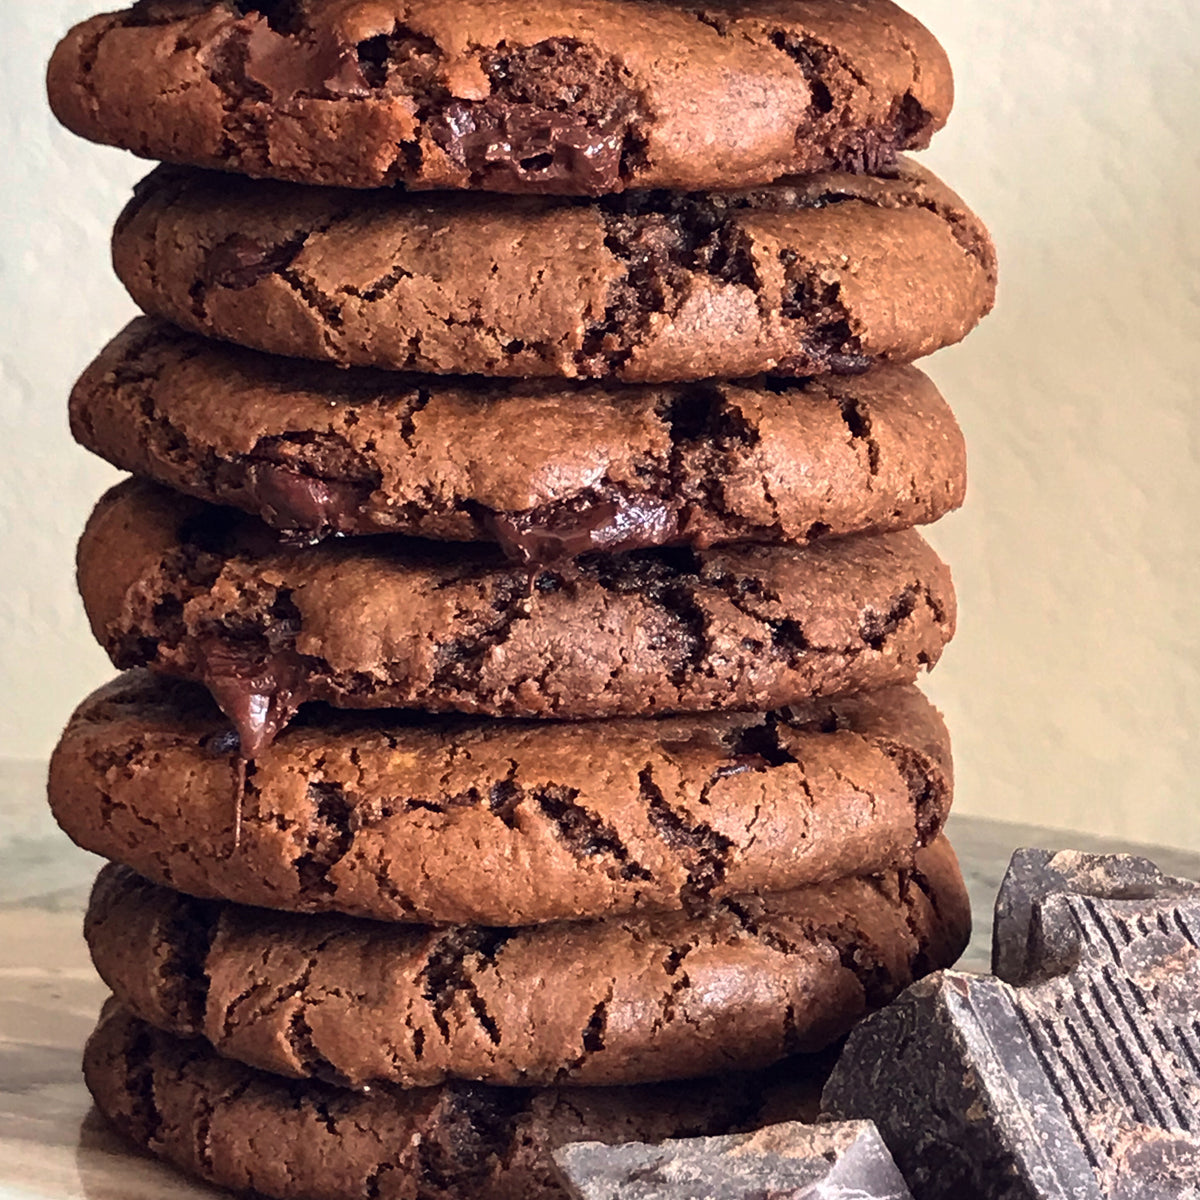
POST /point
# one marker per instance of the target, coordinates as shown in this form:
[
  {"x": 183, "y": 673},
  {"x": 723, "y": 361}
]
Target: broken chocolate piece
[
  {"x": 1032, "y": 938},
  {"x": 780, "y": 1162},
  {"x": 1080, "y": 1079}
]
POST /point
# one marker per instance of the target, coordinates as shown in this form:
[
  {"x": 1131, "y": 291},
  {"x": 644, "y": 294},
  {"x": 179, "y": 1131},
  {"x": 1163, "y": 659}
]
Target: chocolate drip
[
  {"x": 258, "y": 692},
  {"x": 554, "y": 534},
  {"x": 239, "y": 801}
]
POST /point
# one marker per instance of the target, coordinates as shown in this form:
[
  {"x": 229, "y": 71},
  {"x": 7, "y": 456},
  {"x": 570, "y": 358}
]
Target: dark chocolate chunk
[
  {"x": 556, "y": 534},
  {"x": 1032, "y": 938},
  {"x": 1079, "y": 1079},
  {"x": 258, "y": 692},
  {"x": 323, "y": 67},
  {"x": 557, "y": 118},
  {"x": 780, "y": 1162},
  {"x": 291, "y": 500},
  {"x": 239, "y": 262},
  {"x": 515, "y": 151}
]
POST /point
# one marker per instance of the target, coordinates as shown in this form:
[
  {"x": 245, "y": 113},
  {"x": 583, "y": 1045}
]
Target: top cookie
[{"x": 507, "y": 95}]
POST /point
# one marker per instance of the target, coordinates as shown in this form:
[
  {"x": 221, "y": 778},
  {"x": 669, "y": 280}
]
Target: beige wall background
[{"x": 1073, "y": 690}]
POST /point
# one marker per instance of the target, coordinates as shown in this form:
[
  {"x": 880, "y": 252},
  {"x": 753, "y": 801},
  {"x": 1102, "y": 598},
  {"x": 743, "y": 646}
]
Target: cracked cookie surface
[
  {"x": 584, "y": 98},
  {"x": 548, "y": 470},
  {"x": 402, "y": 817},
  {"x": 830, "y": 273},
  {"x": 622, "y": 1000},
  {"x": 213, "y": 1117},
  {"x": 211, "y": 594}
]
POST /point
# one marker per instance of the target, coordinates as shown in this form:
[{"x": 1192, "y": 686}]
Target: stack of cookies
[{"x": 517, "y": 589}]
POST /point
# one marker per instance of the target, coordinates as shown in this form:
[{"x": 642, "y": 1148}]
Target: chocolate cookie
[
  {"x": 208, "y": 593},
  {"x": 546, "y": 469},
  {"x": 404, "y": 817},
  {"x": 616, "y": 1001},
  {"x": 829, "y": 273},
  {"x": 582, "y": 98},
  {"x": 252, "y": 1132}
]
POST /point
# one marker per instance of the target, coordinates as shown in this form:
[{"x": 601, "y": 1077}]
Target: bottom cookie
[{"x": 252, "y": 1132}]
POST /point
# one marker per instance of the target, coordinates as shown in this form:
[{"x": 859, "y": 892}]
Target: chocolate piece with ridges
[
  {"x": 376, "y": 622},
  {"x": 585, "y": 97},
  {"x": 547, "y": 469},
  {"x": 1035, "y": 936},
  {"x": 780, "y": 1162},
  {"x": 831, "y": 273},
  {"x": 445, "y": 820},
  {"x": 213, "y": 1117},
  {"x": 1083, "y": 1082},
  {"x": 620, "y": 1000}
]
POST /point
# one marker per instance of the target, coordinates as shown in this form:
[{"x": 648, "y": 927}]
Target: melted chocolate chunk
[
  {"x": 1076, "y": 1074},
  {"x": 555, "y": 534},
  {"x": 556, "y": 120},
  {"x": 293, "y": 501},
  {"x": 509, "y": 148},
  {"x": 274, "y": 66},
  {"x": 288, "y": 68},
  {"x": 239, "y": 262},
  {"x": 258, "y": 692}
]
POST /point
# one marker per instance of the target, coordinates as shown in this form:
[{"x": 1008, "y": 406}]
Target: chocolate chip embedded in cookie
[
  {"x": 210, "y": 594},
  {"x": 580, "y": 98},
  {"x": 550, "y": 470},
  {"x": 448, "y": 820},
  {"x": 830, "y": 273},
  {"x": 212, "y": 1117},
  {"x": 621, "y": 1000}
]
